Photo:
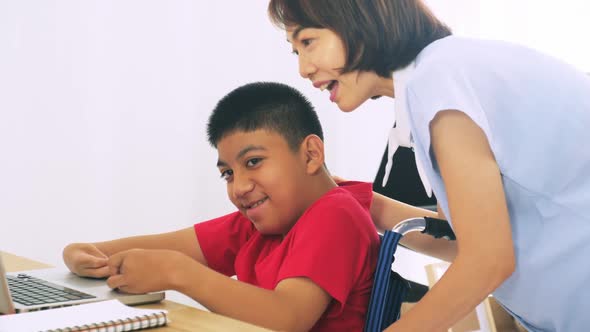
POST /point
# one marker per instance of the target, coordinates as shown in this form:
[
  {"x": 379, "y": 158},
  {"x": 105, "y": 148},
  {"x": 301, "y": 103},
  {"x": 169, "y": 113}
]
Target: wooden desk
[{"x": 182, "y": 317}]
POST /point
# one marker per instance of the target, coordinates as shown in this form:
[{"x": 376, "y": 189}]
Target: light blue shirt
[{"x": 535, "y": 112}]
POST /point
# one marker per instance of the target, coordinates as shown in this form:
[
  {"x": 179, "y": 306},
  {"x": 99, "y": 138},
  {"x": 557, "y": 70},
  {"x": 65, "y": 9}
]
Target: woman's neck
[{"x": 385, "y": 87}]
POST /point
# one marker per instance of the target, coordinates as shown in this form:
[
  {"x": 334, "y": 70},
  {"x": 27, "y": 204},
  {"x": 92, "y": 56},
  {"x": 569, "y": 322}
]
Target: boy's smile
[
  {"x": 254, "y": 211},
  {"x": 265, "y": 178}
]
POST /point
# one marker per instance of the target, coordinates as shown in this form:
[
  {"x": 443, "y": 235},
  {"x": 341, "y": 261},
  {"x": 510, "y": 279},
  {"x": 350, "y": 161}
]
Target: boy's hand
[
  {"x": 86, "y": 260},
  {"x": 142, "y": 271}
]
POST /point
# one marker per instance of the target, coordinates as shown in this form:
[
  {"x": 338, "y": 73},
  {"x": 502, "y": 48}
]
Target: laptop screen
[{"x": 6, "y": 305}]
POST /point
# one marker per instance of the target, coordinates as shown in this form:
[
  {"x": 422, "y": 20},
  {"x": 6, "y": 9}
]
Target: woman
[{"x": 498, "y": 132}]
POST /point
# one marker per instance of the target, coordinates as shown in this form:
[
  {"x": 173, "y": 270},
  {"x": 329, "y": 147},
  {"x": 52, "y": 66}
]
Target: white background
[{"x": 103, "y": 108}]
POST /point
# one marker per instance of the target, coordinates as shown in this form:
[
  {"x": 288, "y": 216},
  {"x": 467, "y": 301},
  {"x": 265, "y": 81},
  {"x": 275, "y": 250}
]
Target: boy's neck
[{"x": 318, "y": 186}]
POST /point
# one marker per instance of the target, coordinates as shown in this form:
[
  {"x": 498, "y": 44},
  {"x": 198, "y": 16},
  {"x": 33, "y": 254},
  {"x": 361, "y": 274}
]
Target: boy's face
[{"x": 265, "y": 179}]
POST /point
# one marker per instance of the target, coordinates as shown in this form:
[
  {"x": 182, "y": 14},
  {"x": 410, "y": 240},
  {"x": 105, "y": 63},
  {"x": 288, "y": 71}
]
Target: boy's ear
[{"x": 312, "y": 148}]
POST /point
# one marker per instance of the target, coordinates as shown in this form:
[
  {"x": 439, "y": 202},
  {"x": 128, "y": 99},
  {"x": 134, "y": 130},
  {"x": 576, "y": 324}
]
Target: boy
[{"x": 303, "y": 248}]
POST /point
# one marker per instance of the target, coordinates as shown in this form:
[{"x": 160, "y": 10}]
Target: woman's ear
[{"x": 312, "y": 148}]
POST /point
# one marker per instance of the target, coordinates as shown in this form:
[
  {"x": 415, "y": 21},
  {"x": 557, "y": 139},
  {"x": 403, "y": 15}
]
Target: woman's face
[{"x": 322, "y": 56}]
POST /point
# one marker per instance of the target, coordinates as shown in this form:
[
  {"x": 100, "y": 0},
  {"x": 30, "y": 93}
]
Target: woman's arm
[
  {"x": 485, "y": 252},
  {"x": 387, "y": 212}
]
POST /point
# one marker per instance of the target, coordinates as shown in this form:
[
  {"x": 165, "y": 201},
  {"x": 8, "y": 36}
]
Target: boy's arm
[
  {"x": 183, "y": 240},
  {"x": 294, "y": 305},
  {"x": 90, "y": 259}
]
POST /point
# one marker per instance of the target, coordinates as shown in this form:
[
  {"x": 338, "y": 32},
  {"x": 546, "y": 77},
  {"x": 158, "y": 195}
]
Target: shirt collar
[{"x": 400, "y": 134}]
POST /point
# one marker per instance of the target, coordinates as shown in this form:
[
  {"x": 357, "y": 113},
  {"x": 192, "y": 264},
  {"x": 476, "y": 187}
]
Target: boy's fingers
[
  {"x": 116, "y": 281},
  {"x": 97, "y": 273},
  {"x": 94, "y": 251},
  {"x": 119, "y": 282},
  {"x": 114, "y": 263},
  {"x": 92, "y": 262}
]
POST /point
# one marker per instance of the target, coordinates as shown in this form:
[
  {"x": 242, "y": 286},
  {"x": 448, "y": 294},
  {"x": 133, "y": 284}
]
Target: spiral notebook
[{"x": 99, "y": 316}]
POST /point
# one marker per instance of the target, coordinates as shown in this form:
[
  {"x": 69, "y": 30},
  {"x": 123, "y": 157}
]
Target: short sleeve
[
  {"x": 334, "y": 244},
  {"x": 439, "y": 86},
  {"x": 221, "y": 238}
]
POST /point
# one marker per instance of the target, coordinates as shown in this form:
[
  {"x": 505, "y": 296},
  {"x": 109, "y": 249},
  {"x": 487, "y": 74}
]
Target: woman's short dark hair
[
  {"x": 378, "y": 35},
  {"x": 265, "y": 105}
]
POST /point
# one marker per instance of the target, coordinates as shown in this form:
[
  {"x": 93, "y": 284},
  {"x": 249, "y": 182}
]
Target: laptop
[{"x": 53, "y": 288}]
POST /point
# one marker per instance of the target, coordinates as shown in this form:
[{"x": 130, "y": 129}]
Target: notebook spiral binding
[{"x": 121, "y": 325}]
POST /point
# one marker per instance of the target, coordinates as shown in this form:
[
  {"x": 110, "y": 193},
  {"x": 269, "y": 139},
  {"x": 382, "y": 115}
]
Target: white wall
[
  {"x": 103, "y": 106},
  {"x": 558, "y": 28}
]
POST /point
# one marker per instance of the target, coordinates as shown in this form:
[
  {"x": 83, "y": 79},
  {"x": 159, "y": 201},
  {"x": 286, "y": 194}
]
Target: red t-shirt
[{"x": 334, "y": 243}]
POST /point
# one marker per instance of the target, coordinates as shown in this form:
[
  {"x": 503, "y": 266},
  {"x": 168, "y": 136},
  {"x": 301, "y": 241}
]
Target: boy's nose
[{"x": 242, "y": 185}]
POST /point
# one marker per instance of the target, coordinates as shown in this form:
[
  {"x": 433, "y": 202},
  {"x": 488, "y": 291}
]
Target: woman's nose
[{"x": 306, "y": 67}]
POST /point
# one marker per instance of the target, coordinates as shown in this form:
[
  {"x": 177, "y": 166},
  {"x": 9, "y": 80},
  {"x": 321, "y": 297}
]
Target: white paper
[{"x": 77, "y": 315}]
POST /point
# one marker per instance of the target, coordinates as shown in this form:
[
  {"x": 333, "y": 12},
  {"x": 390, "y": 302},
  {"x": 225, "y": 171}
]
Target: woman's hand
[{"x": 86, "y": 260}]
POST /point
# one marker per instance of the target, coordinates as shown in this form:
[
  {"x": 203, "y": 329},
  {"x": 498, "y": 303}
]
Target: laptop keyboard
[{"x": 29, "y": 290}]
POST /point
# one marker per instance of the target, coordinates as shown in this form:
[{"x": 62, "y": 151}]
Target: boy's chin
[
  {"x": 266, "y": 231},
  {"x": 270, "y": 231}
]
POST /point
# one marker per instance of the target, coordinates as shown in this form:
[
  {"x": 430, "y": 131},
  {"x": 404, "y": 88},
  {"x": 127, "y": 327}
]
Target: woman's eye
[
  {"x": 227, "y": 174},
  {"x": 304, "y": 43},
  {"x": 253, "y": 162}
]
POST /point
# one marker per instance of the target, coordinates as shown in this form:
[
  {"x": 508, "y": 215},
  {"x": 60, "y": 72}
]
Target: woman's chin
[{"x": 347, "y": 107}]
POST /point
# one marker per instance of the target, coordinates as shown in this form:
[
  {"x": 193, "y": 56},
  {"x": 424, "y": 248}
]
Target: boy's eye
[
  {"x": 253, "y": 162},
  {"x": 227, "y": 174}
]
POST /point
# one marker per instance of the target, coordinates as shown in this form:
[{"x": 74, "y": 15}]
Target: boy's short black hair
[{"x": 265, "y": 105}]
